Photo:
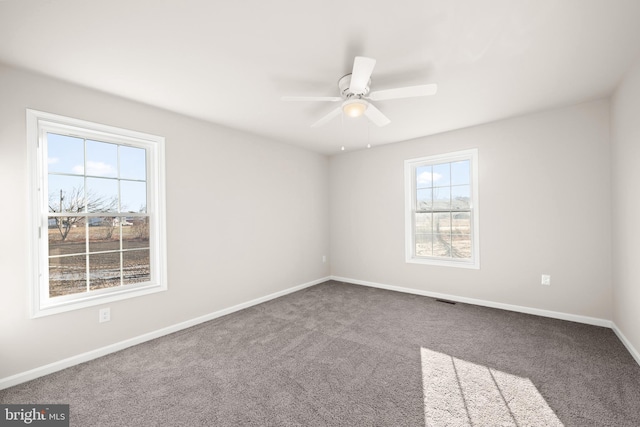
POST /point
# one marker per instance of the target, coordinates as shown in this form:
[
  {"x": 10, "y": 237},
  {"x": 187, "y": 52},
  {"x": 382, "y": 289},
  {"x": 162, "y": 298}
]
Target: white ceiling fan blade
[
  {"x": 362, "y": 69},
  {"x": 376, "y": 116},
  {"x": 327, "y": 118},
  {"x": 404, "y": 92},
  {"x": 311, "y": 98}
]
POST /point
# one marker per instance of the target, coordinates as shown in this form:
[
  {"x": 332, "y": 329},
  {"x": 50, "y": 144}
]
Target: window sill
[
  {"x": 475, "y": 265},
  {"x": 93, "y": 300}
]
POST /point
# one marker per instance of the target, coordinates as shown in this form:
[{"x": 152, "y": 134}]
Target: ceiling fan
[{"x": 356, "y": 96}]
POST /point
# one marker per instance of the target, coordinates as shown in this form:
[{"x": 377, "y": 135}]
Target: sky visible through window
[
  {"x": 105, "y": 171},
  {"x": 443, "y": 186},
  {"x": 443, "y": 174}
]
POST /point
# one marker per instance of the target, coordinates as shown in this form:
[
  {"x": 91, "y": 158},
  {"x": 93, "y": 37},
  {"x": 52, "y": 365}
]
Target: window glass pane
[
  {"x": 136, "y": 235},
  {"x": 424, "y": 244},
  {"x": 442, "y": 245},
  {"x": 461, "y": 235},
  {"x": 442, "y": 223},
  {"x": 104, "y": 270},
  {"x": 442, "y": 198},
  {"x": 133, "y": 163},
  {"x": 424, "y": 223},
  {"x": 102, "y": 159},
  {"x": 442, "y": 234},
  {"x": 461, "y": 223},
  {"x": 133, "y": 196},
  {"x": 65, "y": 154},
  {"x": 442, "y": 175},
  {"x": 104, "y": 233},
  {"x": 460, "y": 196},
  {"x": 66, "y": 235},
  {"x": 423, "y": 199},
  {"x": 66, "y": 193},
  {"x": 461, "y": 246},
  {"x": 102, "y": 195},
  {"x": 460, "y": 173},
  {"x": 67, "y": 275},
  {"x": 423, "y": 230},
  {"x": 137, "y": 266},
  {"x": 423, "y": 176}
]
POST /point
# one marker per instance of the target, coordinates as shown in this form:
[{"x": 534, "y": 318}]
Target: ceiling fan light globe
[{"x": 354, "y": 107}]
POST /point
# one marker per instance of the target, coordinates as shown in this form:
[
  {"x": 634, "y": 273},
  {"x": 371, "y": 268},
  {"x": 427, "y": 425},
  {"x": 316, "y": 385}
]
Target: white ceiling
[{"x": 229, "y": 62}]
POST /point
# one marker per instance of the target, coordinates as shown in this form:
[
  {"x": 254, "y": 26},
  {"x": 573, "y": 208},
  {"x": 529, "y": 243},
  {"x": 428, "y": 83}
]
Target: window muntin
[
  {"x": 98, "y": 213},
  {"x": 441, "y": 207}
]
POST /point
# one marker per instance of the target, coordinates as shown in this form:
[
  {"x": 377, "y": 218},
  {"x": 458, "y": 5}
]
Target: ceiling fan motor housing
[{"x": 344, "y": 85}]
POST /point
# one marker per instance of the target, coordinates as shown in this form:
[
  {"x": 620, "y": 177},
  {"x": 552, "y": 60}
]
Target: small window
[
  {"x": 98, "y": 213},
  {"x": 441, "y": 195}
]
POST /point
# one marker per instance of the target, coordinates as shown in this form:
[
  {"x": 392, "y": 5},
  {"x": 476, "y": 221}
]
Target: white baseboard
[
  {"x": 510, "y": 307},
  {"x": 103, "y": 351},
  {"x": 627, "y": 343}
]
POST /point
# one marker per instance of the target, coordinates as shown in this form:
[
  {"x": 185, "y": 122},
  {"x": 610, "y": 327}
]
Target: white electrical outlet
[
  {"x": 324, "y": 258},
  {"x": 546, "y": 280},
  {"x": 104, "y": 315}
]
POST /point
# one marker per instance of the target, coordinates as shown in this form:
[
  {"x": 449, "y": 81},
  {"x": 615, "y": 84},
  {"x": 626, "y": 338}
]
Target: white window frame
[
  {"x": 38, "y": 124},
  {"x": 410, "y": 166}
]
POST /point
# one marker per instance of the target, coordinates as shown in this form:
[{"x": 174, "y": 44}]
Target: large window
[
  {"x": 98, "y": 213},
  {"x": 442, "y": 209}
]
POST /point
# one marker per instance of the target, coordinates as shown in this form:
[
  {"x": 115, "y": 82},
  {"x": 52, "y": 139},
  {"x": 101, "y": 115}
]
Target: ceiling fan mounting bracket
[{"x": 344, "y": 85}]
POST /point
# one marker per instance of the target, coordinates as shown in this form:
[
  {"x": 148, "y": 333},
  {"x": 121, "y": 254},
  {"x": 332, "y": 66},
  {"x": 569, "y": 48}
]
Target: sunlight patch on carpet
[{"x": 461, "y": 393}]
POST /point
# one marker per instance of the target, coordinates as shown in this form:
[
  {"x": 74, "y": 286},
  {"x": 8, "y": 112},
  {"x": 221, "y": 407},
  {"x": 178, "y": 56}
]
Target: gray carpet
[{"x": 344, "y": 355}]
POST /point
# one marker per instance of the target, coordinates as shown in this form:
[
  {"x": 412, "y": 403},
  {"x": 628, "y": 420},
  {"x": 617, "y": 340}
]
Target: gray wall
[
  {"x": 246, "y": 217},
  {"x": 544, "y": 208},
  {"x": 625, "y": 126}
]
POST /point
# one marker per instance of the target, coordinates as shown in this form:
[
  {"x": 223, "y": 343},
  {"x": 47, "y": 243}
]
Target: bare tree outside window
[{"x": 77, "y": 202}]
